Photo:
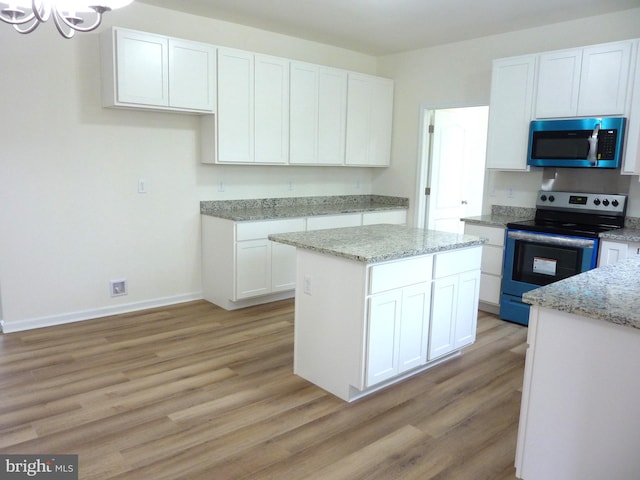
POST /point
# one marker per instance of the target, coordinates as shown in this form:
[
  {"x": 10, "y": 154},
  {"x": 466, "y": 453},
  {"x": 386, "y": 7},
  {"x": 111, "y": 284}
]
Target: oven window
[{"x": 541, "y": 264}]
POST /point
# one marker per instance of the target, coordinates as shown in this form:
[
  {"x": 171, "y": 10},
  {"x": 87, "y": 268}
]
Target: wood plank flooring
[{"x": 195, "y": 392}]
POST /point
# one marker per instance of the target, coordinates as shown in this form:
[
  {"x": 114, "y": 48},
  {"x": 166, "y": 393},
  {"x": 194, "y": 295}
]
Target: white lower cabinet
[
  {"x": 398, "y": 327},
  {"x": 492, "y": 263},
  {"x": 613, "y": 251},
  {"x": 454, "y": 312}
]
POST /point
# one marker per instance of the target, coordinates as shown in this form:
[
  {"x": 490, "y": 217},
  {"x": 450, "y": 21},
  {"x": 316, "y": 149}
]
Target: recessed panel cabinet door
[
  {"x": 271, "y": 105},
  {"x": 467, "y": 309},
  {"x": 558, "y": 83},
  {"x": 253, "y": 268},
  {"x": 142, "y": 68},
  {"x": 443, "y": 316},
  {"x": 414, "y": 326},
  {"x": 383, "y": 336},
  {"x": 283, "y": 267},
  {"x": 192, "y": 75},
  {"x": 235, "y": 106}
]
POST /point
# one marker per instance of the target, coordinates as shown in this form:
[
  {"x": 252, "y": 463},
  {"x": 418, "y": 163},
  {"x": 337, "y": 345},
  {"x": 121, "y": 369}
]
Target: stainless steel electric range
[{"x": 561, "y": 241}]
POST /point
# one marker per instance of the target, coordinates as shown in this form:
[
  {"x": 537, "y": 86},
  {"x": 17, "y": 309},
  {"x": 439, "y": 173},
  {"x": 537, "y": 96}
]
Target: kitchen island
[
  {"x": 580, "y": 414},
  {"x": 375, "y": 304}
]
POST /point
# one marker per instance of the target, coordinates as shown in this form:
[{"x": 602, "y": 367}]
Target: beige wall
[
  {"x": 459, "y": 74},
  {"x": 71, "y": 217}
]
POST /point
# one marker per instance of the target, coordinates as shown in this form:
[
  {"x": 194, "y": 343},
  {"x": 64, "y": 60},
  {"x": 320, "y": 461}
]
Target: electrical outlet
[
  {"x": 306, "y": 287},
  {"x": 118, "y": 287}
]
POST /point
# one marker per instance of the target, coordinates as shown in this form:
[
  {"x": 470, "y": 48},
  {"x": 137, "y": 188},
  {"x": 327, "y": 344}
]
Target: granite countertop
[
  {"x": 290, "y": 207},
  {"x": 501, "y": 215},
  {"x": 622, "y": 235},
  {"x": 376, "y": 243},
  {"x": 608, "y": 293}
]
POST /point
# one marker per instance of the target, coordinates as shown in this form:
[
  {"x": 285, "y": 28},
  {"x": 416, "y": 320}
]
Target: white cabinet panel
[
  {"x": 443, "y": 310},
  {"x": 369, "y": 120},
  {"x": 558, "y": 83},
  {"x": 318, "y": 107},
  {"x": 414, "y": 326},
  {"x": 604, "y": 79},
  {"x": 510, "y": 111},
  {"x": 492, "y": 261},
  {"x": 396, "y": 217},
  {"x": 283, "y": 267},
  {"x": 271, "y": 116},
  {"x": 235, "y": 106},
  {"x": 142, "y": 72},
  {"x": 192, "y": 75},
  {"x": 383, "y": 336},
  {"x": 466, "y": 309},
  {"x": 322, "y": 222},
  {"x": 253, "y": 268}
]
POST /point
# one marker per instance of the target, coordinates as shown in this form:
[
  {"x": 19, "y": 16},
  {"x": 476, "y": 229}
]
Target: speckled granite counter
[
  {"x": 501, "y": 215},
  {"x": 271, "y": 208},
  {"x": 622, "y": 235},
  {"x": 607, "y": 293},
  {"x": 376, "y": 243}
]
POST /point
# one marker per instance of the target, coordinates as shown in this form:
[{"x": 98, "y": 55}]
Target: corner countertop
[
  {"x": 501, "y": 215},
  {"x": 290, "y": 207},
  {"x": 376, "y": 243},
  {"x": 622, "y": 235},
  {"x": 607, "y": 293}
]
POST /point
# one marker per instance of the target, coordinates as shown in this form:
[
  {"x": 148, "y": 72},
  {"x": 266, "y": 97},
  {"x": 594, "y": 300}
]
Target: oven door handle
[{"x": 552, "y": 239}]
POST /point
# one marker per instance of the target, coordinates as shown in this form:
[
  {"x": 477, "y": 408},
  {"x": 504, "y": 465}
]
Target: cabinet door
[
  {"x": 253, "y": 268},
  {"x": 192, "y": 75},
  {"x": 466, "y": 309},
  {"x": 611, "y": 252},
  {"x": 271, "y": 105},
  {"x": 443, "y": 313},
  {"x": 558, "y": 83},
  {"x": 283, "y": 267},
  {"x": 510, "y": 112},
  {"x": 631, "y": 161},
  {"x": 414, "y": 326},
  {"x": 332, "y": 115},
  {"x": 304, "y": 106},
  {"x": 383, "y": 336},
  {"x": 604, "y": 78},
  {"x": 369, "y": 120},
  {"x": 235, "y": 106},
  {"x": 142, "y": 73}
]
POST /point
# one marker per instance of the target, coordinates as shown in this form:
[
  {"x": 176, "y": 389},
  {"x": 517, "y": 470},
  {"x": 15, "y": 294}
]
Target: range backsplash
[{"x": 585, "y": 180}]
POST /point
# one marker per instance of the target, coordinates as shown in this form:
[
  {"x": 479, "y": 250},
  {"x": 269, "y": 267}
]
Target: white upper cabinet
[
  {"x": 144, "y": 70},
  {"x": 253, "y": 108},
  {"x": 369, "y": 120},
  {"x": 318, "y": 108},
  {"x": 631, "y": 161},
  {"x": 584, "y": 81},
  {"x": 510, "y": 108}
]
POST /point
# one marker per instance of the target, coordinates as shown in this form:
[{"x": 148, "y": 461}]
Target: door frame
[{"x": 425, "y": 144}]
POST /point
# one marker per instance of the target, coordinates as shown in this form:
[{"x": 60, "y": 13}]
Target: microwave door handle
[{"x": 592, "y": 156}]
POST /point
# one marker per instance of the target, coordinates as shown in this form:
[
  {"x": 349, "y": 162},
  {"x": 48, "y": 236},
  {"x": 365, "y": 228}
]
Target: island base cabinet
[
  {"x": 579, "y": 417},
  {"x": 360, "y": 328}
]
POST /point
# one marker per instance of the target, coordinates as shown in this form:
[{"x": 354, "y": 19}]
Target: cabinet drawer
[
  {"x": 457, "y": 261},
  {"x": 492, "y": 259},
  {"x": 334, "y": 221},
  {"x": 262, "y": 229},
  {"x": 495, "y": 235},
  {"x": 397, "y": 217},
  {"x": 400, "y": 274},
  {"x": 490, "y": 289}
]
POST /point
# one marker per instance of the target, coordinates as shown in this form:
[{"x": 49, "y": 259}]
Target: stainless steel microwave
[{"x": 577, "y": 142}]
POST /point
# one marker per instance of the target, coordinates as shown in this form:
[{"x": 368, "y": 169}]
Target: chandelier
[{"x": 69, "y": 16}]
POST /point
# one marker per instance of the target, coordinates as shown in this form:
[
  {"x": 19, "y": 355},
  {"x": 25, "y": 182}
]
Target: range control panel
[{"x": 608, "y": 203}]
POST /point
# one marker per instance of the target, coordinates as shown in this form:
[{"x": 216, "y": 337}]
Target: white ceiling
[{"x": 380, "y": 27}]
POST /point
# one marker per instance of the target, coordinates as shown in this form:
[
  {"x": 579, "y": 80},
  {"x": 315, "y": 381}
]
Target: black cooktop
[{"x": 561, "y": 228}]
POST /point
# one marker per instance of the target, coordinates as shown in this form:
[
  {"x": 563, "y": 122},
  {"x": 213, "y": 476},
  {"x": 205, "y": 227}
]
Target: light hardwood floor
[{"x": 195, "y": 392}]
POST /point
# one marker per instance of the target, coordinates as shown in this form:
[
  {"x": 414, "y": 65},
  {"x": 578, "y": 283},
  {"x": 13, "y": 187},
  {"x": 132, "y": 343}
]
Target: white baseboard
[{"x": 49, "y": 321}]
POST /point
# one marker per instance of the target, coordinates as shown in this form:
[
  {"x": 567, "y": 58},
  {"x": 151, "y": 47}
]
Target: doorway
[{"x": 450, "y": 183}]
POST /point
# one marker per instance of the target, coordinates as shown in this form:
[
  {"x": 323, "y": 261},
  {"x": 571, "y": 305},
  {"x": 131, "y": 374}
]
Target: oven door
[{"x": 535, "y": 259}]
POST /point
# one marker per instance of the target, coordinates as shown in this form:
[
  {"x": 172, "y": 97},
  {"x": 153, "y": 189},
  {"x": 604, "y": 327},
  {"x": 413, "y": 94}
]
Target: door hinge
[
  {"x": 427, "y": 191},
  {"x": 431, "y": 128}
]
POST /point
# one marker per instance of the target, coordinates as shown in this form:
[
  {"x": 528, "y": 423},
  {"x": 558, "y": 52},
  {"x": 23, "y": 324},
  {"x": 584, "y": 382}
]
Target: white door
[{"x": 456, "y": 177}]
